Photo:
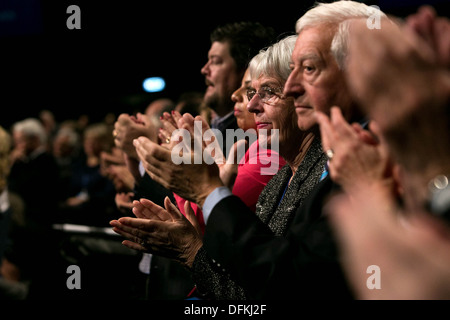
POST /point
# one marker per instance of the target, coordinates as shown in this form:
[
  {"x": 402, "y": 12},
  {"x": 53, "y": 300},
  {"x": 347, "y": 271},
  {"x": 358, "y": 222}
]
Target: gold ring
[
  {"x": 330, "y": 154},
  {"x": 167, "y": 140}
]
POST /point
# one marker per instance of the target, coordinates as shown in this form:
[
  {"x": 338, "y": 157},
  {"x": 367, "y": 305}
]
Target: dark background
[{"x": 100, "y": 68}]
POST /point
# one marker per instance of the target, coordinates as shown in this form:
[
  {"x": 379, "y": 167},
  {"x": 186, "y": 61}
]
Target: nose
[
  {"x": 238, "y": 95},
  {"x": 255, "y": 105},
  {"x": 293, "y": 86},
  {"x": 205, "y": 69}
]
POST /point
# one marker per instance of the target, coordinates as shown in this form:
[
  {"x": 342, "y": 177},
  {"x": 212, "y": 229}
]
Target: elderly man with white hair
[
  {"x": 34, "y": 178},
  {"x": 34, "y": 173}
]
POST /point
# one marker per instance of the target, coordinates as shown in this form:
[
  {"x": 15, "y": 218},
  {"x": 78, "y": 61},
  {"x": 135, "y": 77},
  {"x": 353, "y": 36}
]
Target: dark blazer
[
  {"x": 152, "y": 190},
  {"x": 168, "y": 280},
  {"x": 301, "y": 265},
  {"x": 36, "y": 182}
]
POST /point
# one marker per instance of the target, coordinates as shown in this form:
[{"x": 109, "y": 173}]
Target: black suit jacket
[
  {"x": 168, "y": 279},
  {"x": 36, "y": 181},
  {"x": 301, "y": 265}
]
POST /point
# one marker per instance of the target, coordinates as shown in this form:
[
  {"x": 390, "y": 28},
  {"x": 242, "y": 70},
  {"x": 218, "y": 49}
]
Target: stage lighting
[{"x": 154, "y": 84}]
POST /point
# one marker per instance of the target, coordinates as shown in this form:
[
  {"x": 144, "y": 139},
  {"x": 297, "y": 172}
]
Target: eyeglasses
[{"x": 266, "y": 94}]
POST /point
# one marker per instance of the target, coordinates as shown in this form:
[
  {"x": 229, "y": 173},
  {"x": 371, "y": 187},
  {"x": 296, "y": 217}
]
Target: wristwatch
[{"x": 439, "y": 199}]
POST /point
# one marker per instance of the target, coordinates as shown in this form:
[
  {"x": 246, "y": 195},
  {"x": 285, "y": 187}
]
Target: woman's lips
[{"x": 264, "y": 125}]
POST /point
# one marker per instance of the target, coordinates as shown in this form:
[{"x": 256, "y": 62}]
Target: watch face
[{"x": 439, "y": 182}]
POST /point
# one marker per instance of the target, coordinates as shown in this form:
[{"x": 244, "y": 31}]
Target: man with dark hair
[
  {"x": 246, "y": 39},
  {"x": 232, "y": 47}
]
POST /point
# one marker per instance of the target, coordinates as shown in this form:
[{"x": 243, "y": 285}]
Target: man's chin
[{"x": 210, "y": 91}]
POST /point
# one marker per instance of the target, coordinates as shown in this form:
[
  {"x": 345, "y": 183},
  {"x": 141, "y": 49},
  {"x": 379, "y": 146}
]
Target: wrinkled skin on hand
[
  {"x": 161, "y": 231},
  {"x": 360, "y": 157}
]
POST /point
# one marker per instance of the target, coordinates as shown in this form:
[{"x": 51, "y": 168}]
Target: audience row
[{"x": 314, "y": 166}]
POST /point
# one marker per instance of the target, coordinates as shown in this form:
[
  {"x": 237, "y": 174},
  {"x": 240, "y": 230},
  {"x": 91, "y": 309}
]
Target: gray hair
[
  {"x": 31, "y": 127},
  {"x": 71, "y": 135},
  {"x": 274, "y": 61},
  {"x": 337, "y": 13}
]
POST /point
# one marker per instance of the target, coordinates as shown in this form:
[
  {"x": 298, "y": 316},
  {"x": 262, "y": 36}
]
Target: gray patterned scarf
[{"x": 278, "y": 214}]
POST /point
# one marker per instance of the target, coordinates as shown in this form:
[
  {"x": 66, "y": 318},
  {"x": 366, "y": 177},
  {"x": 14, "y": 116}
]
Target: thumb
[
  {"x": 143, "y": 119},
  {"x": 176, "y": 116},
  {"x": 172, "y": 209},
  {"x": 190, "y": 215}
]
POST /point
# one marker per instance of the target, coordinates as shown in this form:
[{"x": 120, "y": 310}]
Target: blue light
[{"x": 154, "y": 84}]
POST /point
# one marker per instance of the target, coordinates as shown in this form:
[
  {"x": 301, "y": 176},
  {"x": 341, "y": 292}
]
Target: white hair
[
  {"x": 337, "y": 13},
  {"x": 70, "y": 133},
  {"x": 31, "y": 127},
  {"x": 274, "y": 61}
]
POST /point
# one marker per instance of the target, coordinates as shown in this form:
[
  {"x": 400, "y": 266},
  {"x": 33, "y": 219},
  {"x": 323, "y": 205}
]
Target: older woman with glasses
[{"x": 302, "y": 151}]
